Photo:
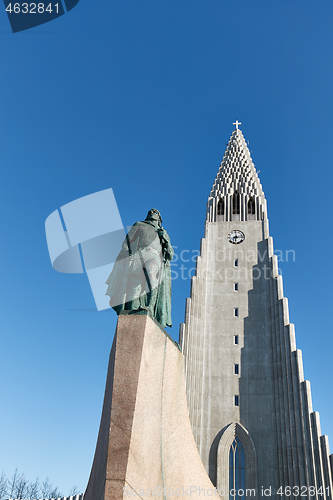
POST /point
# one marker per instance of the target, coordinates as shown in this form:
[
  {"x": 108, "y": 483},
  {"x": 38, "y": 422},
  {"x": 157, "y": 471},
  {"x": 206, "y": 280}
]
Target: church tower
[{"x": 250, "y": 407}]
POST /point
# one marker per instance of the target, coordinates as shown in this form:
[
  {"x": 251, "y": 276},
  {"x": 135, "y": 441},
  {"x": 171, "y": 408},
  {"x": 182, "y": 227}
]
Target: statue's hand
[{"x": 161, "y": 232}]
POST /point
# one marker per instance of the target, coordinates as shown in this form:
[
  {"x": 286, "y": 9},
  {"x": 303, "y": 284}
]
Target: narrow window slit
[
  {"x": 220, "y": 207},
  {"x": 251, "y": 207},
  {"x": 236, "y": 203}
]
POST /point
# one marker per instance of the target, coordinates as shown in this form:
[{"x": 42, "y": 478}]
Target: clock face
[{"x": 236, "y": 237}]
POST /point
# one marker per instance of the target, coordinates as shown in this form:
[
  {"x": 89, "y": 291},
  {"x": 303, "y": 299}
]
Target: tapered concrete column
[{"x": 145, "y": 446}]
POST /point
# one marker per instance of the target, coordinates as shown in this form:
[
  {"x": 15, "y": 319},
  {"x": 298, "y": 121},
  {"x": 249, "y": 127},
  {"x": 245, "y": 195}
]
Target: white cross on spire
[{"x": 237, "y": 123}]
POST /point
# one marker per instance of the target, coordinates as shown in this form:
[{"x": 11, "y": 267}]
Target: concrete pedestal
[{"x": 145, "y": 446}]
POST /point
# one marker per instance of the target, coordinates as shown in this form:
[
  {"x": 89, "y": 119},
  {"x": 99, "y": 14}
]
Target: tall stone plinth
[{"x": 145, "y": 445}]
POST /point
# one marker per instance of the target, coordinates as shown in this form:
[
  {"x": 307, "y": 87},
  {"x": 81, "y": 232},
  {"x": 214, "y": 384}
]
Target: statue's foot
[
  {"x": 146, "y": 308},
  {"x": 132, "y": 305}
]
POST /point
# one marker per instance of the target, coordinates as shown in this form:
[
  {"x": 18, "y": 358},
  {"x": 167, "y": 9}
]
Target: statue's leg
[
  {"x": 151, "y": 300},
  {"x": 152, "y": 271},
  {"x": 134, "y": 304}
]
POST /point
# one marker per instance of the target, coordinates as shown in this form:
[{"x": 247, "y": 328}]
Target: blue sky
[{"x": 140, "y": 96}]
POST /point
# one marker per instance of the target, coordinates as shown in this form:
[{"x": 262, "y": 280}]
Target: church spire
[
  {"x": 236, "y": 193},
  {"x": 244, "y": 375}
]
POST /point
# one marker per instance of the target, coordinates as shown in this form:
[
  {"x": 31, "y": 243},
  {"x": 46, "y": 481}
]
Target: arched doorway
[{"x": 236, "y": 462}]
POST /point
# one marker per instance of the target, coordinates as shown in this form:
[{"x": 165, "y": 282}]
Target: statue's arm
[
  {"x": 166, "y": 244},
  {"x": 128, "y": 241}
]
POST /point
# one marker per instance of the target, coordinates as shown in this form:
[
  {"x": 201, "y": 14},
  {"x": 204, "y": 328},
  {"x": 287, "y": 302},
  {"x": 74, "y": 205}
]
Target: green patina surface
[{"x": 141, "y": 277}]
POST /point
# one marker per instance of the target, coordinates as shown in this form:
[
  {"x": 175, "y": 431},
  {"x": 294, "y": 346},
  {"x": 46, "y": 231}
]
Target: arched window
[
  {"x": 251, "y": 206},
  {"x": 220, "y": 207},
  {"x": 235, "y": 203},
  {"x": 236, "y": 470}
]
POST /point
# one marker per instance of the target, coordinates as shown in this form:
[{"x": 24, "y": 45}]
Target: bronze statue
[{"x": 141, "y": 276}]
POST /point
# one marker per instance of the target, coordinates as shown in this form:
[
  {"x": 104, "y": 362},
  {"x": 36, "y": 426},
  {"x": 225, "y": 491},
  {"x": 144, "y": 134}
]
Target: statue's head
[{"x": 154, "y": 214}]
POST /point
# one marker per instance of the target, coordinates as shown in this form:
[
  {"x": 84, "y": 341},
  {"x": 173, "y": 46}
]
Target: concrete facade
[{"x": 244, "y": 375}]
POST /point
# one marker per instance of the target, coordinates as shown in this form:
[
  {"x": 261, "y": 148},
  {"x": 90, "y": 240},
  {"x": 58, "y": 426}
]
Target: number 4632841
[{"x": 32, "y": 8}]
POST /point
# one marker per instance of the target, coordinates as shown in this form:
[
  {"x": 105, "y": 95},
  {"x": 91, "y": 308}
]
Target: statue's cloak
[{"x": 129, "y": 282}]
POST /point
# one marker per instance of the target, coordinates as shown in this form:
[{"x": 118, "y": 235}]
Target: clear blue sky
[{"x": 140, "y": 96}]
